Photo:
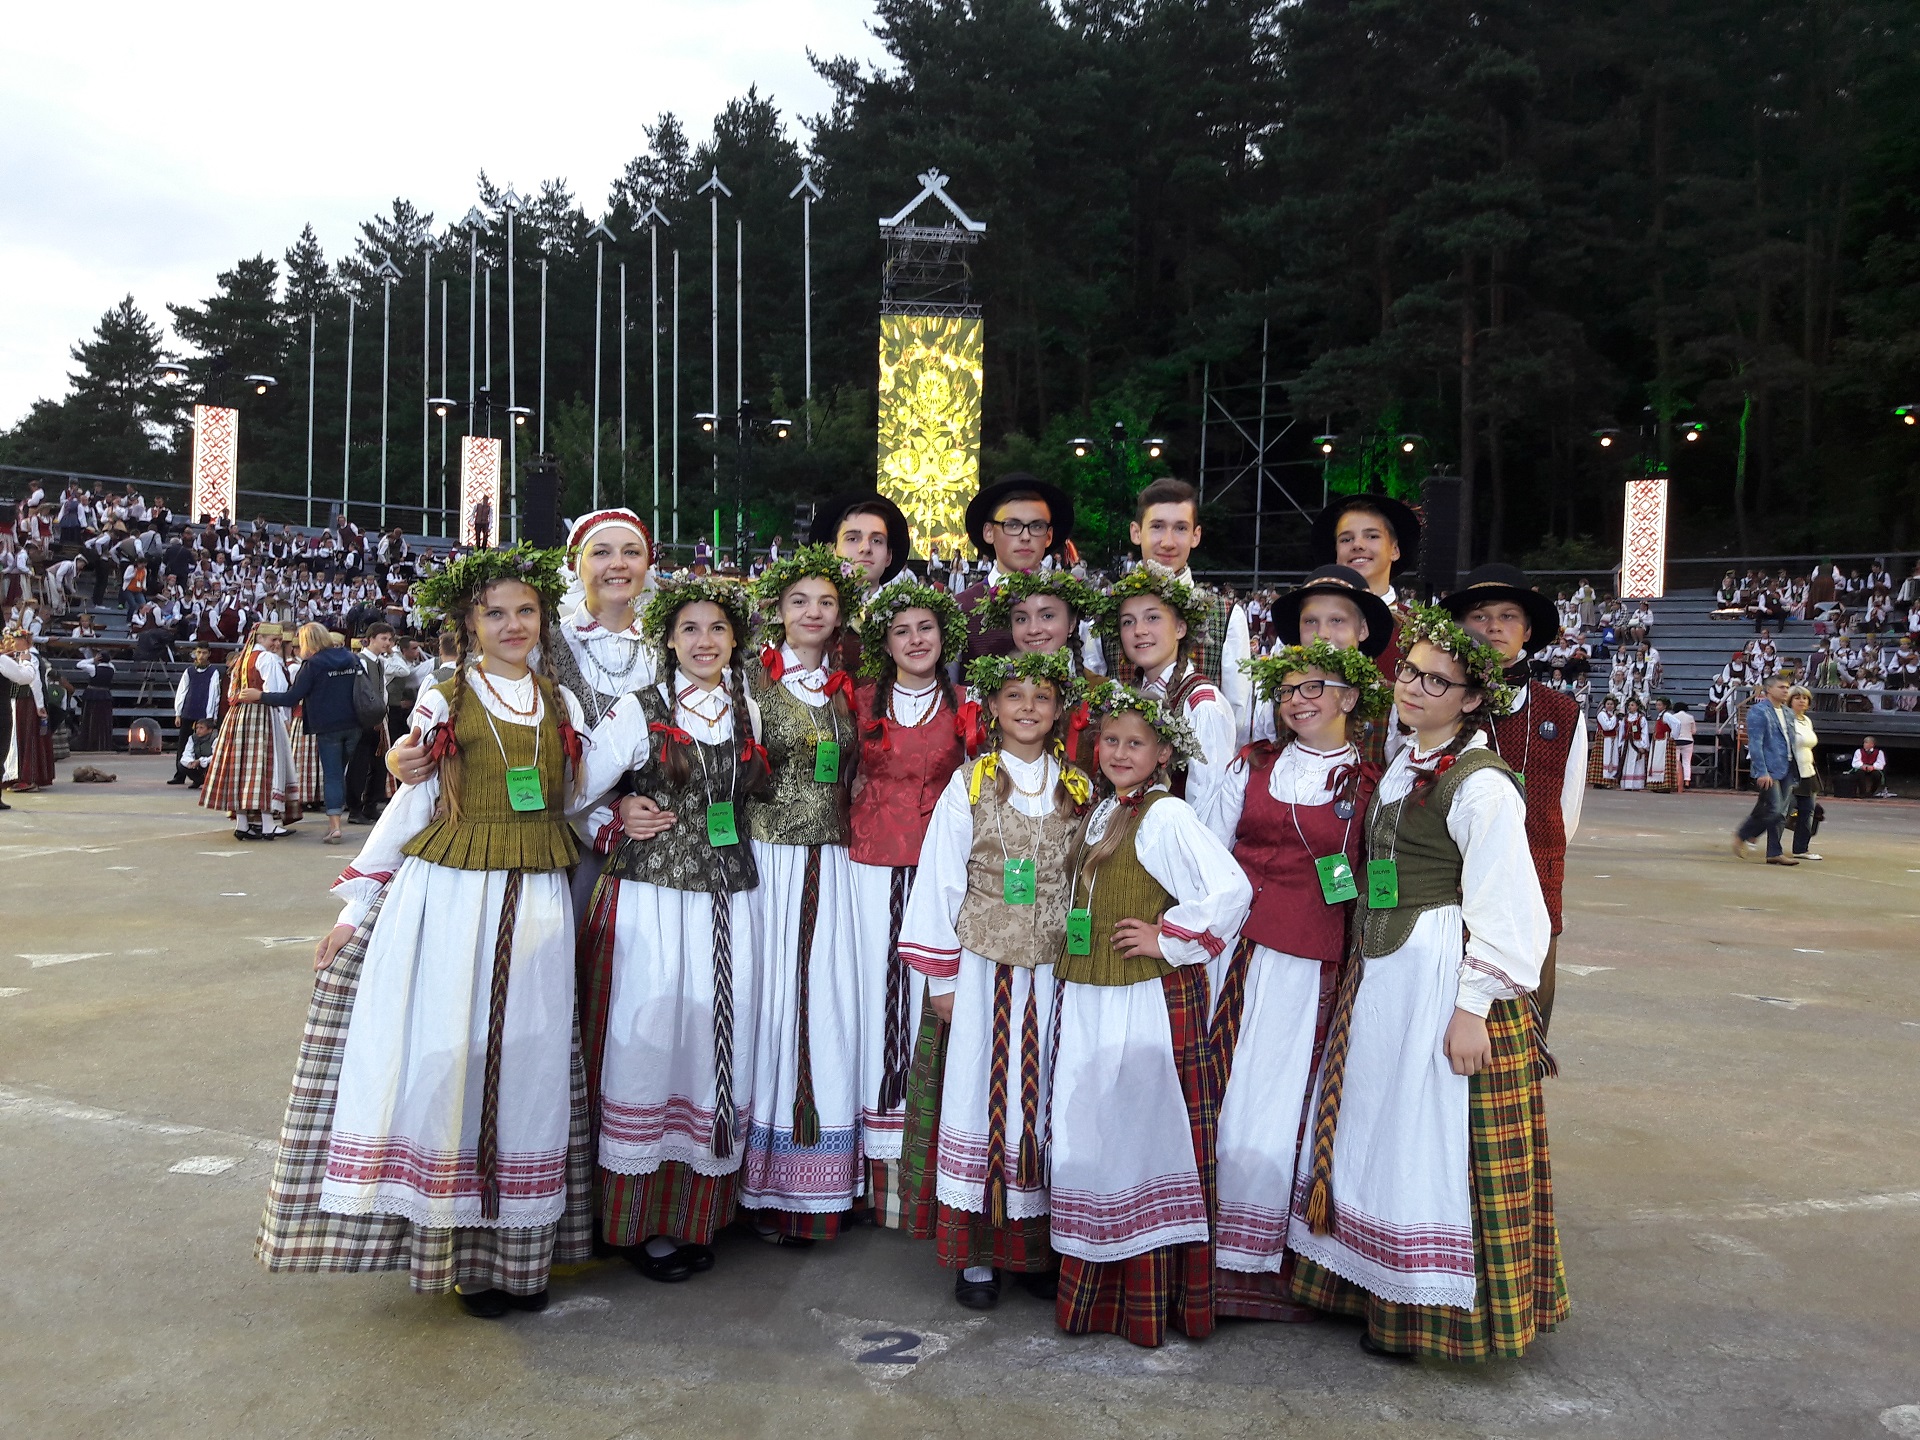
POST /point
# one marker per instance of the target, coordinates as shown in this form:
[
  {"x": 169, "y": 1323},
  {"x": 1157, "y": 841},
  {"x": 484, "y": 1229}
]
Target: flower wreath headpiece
[
  {"x": 885, "y": 607},
  {"x": 445, "y": 596},
  {"x": 1485, "y": 666},
  {"x": 996, "y": 610},
  {"x": 987, "y": 674},
  {"x": 1109, "y": 698},
  {"x": 847, "y": 579},
  {"x": 1269, "y": 671},
  {"x": 1186, "y": 602},
  {"x": 734, "y": 597}
]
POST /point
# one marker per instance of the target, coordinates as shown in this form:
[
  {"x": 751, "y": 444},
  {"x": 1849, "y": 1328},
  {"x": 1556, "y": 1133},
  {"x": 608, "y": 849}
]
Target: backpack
[{"x": 369, "y": 695}]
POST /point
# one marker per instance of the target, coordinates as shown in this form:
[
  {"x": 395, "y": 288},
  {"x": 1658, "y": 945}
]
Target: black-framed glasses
[
  {"x": 1018, "y": 528},
  {"x": 1407, "y": 673},
  {"x": 1308, "y": 689}
]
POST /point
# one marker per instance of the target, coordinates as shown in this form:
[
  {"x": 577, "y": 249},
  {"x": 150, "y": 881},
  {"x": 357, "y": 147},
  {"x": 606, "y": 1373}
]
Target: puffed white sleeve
[
  {"x": 408, "y": 813},
  {"x": 1210, "y": 891},
  {"x": 179, "y": 692},
  {"x": 1228, "y": 803},
  {"x": 619, "y": 743},
  {"x": 1213, "y": 726},
  {"x": 1093, "y": 654},
  {"x": 1506, "y": 919},
  {"x": 1573, "y": 784},
  {"x": 1235, "y": 688},
  {"x": 928, "y": 942}
]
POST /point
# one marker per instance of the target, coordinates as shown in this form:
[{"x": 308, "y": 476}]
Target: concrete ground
[{"x": 1735, "y": 1153}]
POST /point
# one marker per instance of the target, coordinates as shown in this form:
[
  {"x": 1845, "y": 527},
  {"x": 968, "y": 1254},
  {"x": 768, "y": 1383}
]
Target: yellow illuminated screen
[{"x": 930, "y": 423}]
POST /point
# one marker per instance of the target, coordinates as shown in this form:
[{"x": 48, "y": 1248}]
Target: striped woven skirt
[
  {"x": 312, "y": 786},
  {"x": 245, "y": 777}
]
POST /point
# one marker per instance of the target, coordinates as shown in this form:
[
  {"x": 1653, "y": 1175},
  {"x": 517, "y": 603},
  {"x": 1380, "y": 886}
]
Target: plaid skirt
[
  {"x": 297, "y": 1235},
  {"x": 311, "y": 786},
  {"x": 240, "y": 777},
  {"x": 674, "y": 1200},
  {"x": 962, "y": 1238},
  {"x": 1140, "y": 1296},
  {"x": 1521, "y": 1285}
]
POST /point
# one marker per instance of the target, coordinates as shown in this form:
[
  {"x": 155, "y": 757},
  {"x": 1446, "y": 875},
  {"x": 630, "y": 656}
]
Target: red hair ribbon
[
  {"x": 839, "y": 683},
  {"x": 570, "y": 742},
  {"x": 970, "y": 727},
  {"x": 771, "y": 662},
  {"x": 443, "y": 744},
  {"x": 877, "y": 730},
  {"x": 1082, "y": 716},
  {"x": 672, "y": 732},
  {"x": 751, "y": 750}
]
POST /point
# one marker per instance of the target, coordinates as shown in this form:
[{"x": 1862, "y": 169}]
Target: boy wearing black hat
[
  {"x": 1542, "y": 737},
  {"x": 1379, "y": 537},
  {"x": 1019, "y": 518},
  {"x": 1334, "y": 604}
]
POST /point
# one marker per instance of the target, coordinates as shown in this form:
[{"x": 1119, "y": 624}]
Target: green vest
[
  {"x": 1123, "y": 890},
  {"x": 1412, "y": 832}
]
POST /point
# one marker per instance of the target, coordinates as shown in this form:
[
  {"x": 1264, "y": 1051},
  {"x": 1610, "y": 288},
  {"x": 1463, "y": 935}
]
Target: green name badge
[
  {"x": 826, "y": 762},
  {"x": 720, "y": 826},
  {"x": 1079, "y": 932},
  {"x": 523, "y": 788},
  {"x": 1383, "y": 884},
  {"x": 1018, "y": 886},
  {"x": 1336, "y": 879},
  {"x": 1521, "y": 776}
]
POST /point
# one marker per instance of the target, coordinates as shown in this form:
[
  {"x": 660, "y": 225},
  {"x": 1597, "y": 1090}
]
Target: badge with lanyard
[
  {"x": 1018, "y": 885},
  {"x": 523, "y": 788},
  {"x": 1336, "y": 879},
  {"x": 1079, "y": 932},
  {"x": 1383, "y": 884},
  {"x": 826, "y": 761},
  {"x": 721, "y": 829}
]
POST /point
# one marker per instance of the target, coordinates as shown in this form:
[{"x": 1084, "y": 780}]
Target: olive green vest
[
  {"x": 1123, "y": 891},
  {"x": 490, "y": 834},
  {"x": 1427, "y": 859}
]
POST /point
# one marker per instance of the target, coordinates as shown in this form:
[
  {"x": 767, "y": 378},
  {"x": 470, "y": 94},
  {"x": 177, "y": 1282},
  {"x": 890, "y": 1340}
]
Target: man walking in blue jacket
[{"x": 1770, "y": 755}]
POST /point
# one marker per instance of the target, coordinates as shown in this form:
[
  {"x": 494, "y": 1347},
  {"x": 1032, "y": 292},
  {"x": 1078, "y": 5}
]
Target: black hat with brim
[
  {"x": 1507, "y": 582},
  {"x": 827, "y": 515},
  {"x": 980, "y": 509},
  {"x": 1406, "y": 528},
  {"x": 1344, "y": 583}
]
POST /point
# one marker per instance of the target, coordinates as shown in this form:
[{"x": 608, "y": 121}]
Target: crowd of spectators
[{"x": 1866, "y": 629}]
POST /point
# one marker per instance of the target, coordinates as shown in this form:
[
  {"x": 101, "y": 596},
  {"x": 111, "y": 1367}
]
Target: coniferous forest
[{"x": 1483, "y": 230}]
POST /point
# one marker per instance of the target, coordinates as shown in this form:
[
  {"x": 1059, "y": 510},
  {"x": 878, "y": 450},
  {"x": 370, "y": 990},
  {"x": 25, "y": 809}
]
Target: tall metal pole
[
  {"x": 1206, "y": 401},
  {"x": 653, "y": 220},
  {"x": 426, "y": 384},
  {"x": 739, "y": 319},
  {"x": 623, "y": 386},
  {"x": 1260, "y": 459},
  {"x": 388, "y": 273},
  {"x": 313, "y": 353},
  {"x": 543, "y": 354},
  {"x": 443, "y": 418},
  {"x": 716, "y": 188},
  {"x": 601, "y": 235},
  {"x": 676, "y": 396},
  {"x": 808, "y": 192},
  {"x": 346, "y": 442},
  {"x": 512, "y": 203},
  {"x": 475, "y": 223},
  {"x": 487, "y": 327}
]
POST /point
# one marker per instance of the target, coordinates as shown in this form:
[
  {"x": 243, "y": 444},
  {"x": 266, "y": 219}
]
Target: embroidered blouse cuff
[
  {"x": 1481, "y": 984},
  {"x": 934, "y": 964},
  {"x": 1210, "y": 944},
  {"x": 942, "y": 984}
]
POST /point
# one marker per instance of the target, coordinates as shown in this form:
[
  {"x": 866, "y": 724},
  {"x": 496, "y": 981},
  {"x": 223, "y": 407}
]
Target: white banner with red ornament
[
  {"x": 479, "y": 490},
  {"x": 1643, "y": 561},
  {"x": 216, "y": 462}
]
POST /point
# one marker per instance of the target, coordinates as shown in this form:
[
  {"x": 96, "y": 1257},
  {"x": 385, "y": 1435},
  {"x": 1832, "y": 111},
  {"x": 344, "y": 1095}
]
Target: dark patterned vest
[
  {"x": 903, "y": 770},
  {"x": 680, "y": 858},
  {"x": 1536, "y": 741},
  {"x": 1289, "y": 913},
  {"x": 1412, "y": 831},
  {"x": 802, "y": 810}
]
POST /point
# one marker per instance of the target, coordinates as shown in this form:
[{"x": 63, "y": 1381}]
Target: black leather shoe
[
  {"x": 698, "y": 1257},
  {"x": 667, "y": 1269},
  {"x": 533, "y": 1303},
  {"x": 1380, "y": 1352},
  {"x": 977, "y": 1294},
  {"x": 1041, "y": 1284},
  {"x": 486, "y": 1304}
]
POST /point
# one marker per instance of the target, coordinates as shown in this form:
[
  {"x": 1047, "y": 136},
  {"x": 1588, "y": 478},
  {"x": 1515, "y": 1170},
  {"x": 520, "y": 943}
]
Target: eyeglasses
[
  {"x": 1014, "y": 529},
  {"x": 1308, "y": 689},
  {"x": 1407, "y": 673}
]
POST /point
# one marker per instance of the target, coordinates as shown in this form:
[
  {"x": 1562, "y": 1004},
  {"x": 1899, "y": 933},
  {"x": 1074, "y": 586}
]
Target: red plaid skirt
[
  {"x": 240, "y": 778},
  {"x": 674, "y": 1200}
]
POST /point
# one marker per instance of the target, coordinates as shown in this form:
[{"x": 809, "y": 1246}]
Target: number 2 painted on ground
[{"x": 892, "y": 1347}]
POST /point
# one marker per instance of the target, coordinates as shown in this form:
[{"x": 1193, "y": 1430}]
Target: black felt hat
[
  {"x": 1348, "y": 584},
  {"x": 827, "y": 515},
  {"x": 1406, "y": 528},
  {"x": 980, "y": 509},
  {"x": 1507, "y": 582}
]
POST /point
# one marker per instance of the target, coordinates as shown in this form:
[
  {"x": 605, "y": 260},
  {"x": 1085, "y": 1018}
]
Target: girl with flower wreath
[
  {"x": 669, "y": 967},
  {"x": 985, "y": 923},
  {"x": 1043, "y": 611},
  {"x": 1154, "y": 898},
  {"x": 1424, "y": 1205},
  {"x": 911, "y": 741},
  {"x": 801, "y": 1171},
  {"x": 438, "y": 1119},
  {"x": 1297, "y": 811}
]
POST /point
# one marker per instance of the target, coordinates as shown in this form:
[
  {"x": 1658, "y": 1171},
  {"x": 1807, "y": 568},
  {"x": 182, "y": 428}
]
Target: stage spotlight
[
  {"x": 780, "y": 428},
  {"x": 1606, "y": 437},
  {"x": 1909, "y": 414},
  {"x": 1692, "y": 433},
  {"x": 520, "y": 413},
  {"x": 170, "y": 370},
  {"x": 1325, "y": 442}
]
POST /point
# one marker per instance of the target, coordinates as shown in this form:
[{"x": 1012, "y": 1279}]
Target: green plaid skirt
[{"x": 1521, "y": 1284}]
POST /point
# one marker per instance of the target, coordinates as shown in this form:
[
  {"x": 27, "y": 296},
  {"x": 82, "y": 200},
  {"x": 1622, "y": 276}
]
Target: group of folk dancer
[{"x": 715, "y": 903}]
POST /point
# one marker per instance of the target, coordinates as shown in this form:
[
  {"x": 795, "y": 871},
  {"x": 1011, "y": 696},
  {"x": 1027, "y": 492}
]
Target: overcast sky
[{"x": 144, "y": 148}]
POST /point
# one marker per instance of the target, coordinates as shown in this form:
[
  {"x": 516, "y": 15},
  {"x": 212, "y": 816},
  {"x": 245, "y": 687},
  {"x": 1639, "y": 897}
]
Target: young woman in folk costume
[
  {"x": 252, "y": 776},
  {"x": 1434, "y": 1057},
  {"x": 438, "y": 1122},
  {"x": 985, "y": 923},
  {"x": 1636, "y": 746},
  {"x": 1297, "y": 811},
  {"x": 669, "y": 965},
  {"x": 1603, "y": 756},
  {"x": 911, "y": 741},
  {"x": 1132, "y": 1102},
  {"x": 802, "y": 1168},
  {"x": 1045, "y": 612},
  {"x": 610, "y": 554},
  {"x": 1157, "y": 622}
]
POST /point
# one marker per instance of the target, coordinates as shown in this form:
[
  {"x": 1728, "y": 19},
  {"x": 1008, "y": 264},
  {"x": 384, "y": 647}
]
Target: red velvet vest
[
  {"x": 903, "y": 769},
  {"x": 1540, "y": 758},
  {"x": 1289, "y": 913}
]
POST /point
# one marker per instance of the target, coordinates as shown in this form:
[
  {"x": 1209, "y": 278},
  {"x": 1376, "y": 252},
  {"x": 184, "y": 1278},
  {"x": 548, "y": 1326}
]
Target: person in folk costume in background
[
  {"x": 1663, "y": 764},
  {"x": 985, "y": 923},
  {"x": 1132, "y": 1102},
  {"x": 611, "y": 554},
  {"x": 1434, "y": 1055},
  {"x": 1542, "y": 737},
  {"x": 1332, "y": 604},
  {"x": 1379, "y": 537},
  {"x": 252, "y": 764},
  {"x": 1166, "y": 528},
  {"x": 29, "y": 753},
  {"x": 1297, "y": 812},
  {"x": 669, "y": 967},
  {"x": 96, "y": 706},
  {"x": 801, "y": 1172},
  {"x": 872, "y": 532},
  {"x": 198, "y": 696},
  {"x": 911, "y": 741},
  {"x": 1018, "y": 519},
  {"x": 307, "y": 781},
  {"x": 1683, "y": 727},
  {"x": 1636, "y": 746},
  {"x": 1046, "y": 613},
  {"x": 451, "y": 973},
  {"x": 1603, "y": 755},
  {"x": 1157, "y": 624}
]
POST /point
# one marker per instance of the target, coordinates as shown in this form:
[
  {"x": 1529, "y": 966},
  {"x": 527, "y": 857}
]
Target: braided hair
[
  {"x": 675, "y": 765},
  {"x": 1064, "y": 804},
  {"x": 448, "y": 807}
]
